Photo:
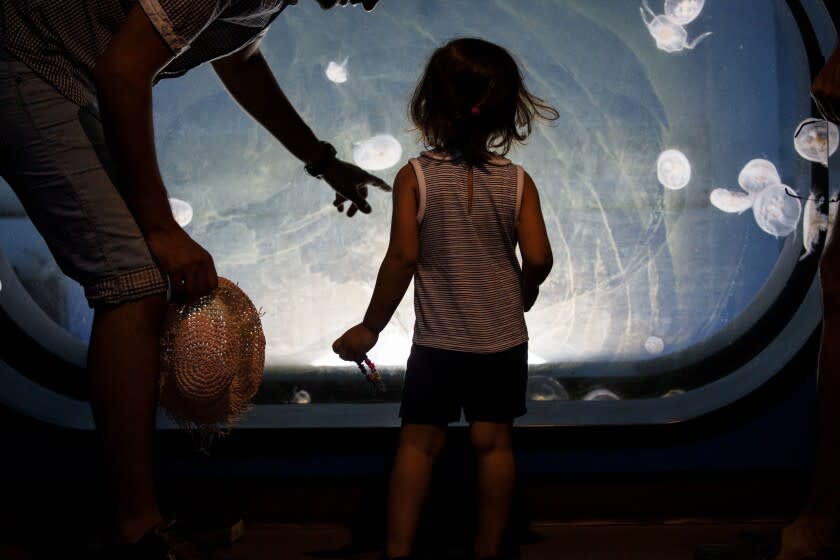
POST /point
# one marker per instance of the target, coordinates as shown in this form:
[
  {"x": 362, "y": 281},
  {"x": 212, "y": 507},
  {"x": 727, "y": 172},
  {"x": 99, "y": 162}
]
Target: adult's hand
[
  {"x": 351, "y": 184},
  {"x": 826, "y": 88},
  {"x": 188, "y": 266}
]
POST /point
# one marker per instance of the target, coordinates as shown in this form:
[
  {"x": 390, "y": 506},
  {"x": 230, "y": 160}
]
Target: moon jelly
[
  {"x": 654, "y": 345},
  {"x": 601, "y": 395},
  {"x": 541, "y": 388},
  {"x": 733, "y": 202},
  {"x": 673, "y": 169},
  {"x": 337, "y": 71},
  {"x": 301, "y": 396},
  {"x": 816, "y": 140},
  {"x": 377, "y": 153},
  {"x": 181, "y": 210},
  {"x": 683, "y": 12},
  {"x": 812, "y": 223},
  {"x": 775, "y": 211},
  {"x": 757, "y": 174},
  {"x": 670, "y": 36}
]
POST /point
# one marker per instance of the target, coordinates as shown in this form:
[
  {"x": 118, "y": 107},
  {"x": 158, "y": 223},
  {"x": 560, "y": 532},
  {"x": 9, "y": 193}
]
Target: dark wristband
[{"x": 317, "y": 167}]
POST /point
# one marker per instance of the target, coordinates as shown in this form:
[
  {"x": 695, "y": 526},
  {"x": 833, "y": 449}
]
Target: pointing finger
[{"x": 378, "y": 183}]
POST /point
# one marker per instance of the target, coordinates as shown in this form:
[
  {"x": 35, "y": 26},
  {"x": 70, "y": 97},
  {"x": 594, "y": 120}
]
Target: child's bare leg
[
  {"x": 496, "y": 476},
  {"x": 420, "y": 445},
  {"x": 123, "y": 363}
]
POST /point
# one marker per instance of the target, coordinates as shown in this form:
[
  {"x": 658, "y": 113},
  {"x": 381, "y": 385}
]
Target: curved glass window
[{"x": 684, "y": 264}]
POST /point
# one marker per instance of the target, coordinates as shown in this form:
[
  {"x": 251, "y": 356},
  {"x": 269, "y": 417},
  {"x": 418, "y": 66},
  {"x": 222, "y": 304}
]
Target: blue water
[{"x": 633, "y": 260}]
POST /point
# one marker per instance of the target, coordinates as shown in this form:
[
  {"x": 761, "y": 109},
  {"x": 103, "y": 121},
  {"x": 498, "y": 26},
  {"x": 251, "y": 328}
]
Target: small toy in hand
[{"x": 373, "y": 376}]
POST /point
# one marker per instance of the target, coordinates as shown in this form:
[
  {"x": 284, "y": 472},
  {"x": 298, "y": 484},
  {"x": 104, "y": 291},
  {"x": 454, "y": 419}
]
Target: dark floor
[
  {"x": 590, "y": 540},
  {"x": 583, "y": 518}
]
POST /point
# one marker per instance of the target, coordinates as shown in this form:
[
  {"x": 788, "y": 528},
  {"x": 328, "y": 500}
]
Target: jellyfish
[
  {"x": 181, "y": 210},
  {"x": 654, "y": 345},
  {"x": 377, "y": 153},
  {"x": 732, "y": 202},
  {"x": 670, "y": 36},
  {"x": 541, "y": 388},
  {"x": 813, "y": 221},
  {"x": 775, "y": 211},
  {"x": 816, "y": 140},
  {"x": 673, "y": 169},
  {"x": 301, "y": 396},
  {"x": 683, "y": 12},
  {"x": 757, "y": 174},
  {"x": 337, "y": 71},
  {"x": 601, "y": 395}
]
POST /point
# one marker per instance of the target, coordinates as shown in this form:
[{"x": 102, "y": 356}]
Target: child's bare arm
[
  {"x": 401, "y": 258},
  {"x": 534, "y": 245},
  {"x": 395, "y": 273}
]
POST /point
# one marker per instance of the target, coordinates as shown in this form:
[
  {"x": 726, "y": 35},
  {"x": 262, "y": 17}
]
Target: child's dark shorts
[{"x": 439, "y": 383}]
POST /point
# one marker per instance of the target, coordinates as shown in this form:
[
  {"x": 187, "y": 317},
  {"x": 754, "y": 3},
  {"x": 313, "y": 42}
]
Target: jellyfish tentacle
[
  {"x": 697, "y": 40},
  {"x": 647, "y": 7},
  {"x": 644, "y": 18}
]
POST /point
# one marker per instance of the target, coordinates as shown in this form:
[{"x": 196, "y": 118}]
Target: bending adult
[
  {"x": 78, "y": 150},
  {"x": 815, "y": 533}
]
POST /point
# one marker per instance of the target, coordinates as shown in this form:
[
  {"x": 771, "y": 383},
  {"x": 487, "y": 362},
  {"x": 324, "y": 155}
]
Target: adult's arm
[
  {"x": 826, "y": 86},
  {"x": 124, "y": 75},
  {"x": 249, "y": 79},
  {"x": 826, "y": 93}
]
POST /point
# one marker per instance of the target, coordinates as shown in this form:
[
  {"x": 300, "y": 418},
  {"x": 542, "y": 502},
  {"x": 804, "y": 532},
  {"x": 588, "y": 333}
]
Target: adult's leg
[
  {"x": 420, "y": 445},
  {"x": 123, "y": 364},
  {"x": 818, "y": 524},
  {"x": 496, "y": 478},
  {"x": 52, "y": 154}
]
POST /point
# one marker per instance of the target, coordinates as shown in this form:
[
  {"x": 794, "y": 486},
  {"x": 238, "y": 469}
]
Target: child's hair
[{"x": 472, "y": 98}]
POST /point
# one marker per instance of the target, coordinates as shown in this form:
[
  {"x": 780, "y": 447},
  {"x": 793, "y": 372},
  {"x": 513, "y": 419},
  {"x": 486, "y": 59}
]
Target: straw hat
[{"x": 213, "y": 353}]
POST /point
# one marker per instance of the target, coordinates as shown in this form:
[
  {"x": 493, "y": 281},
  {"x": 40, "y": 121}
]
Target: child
[{"x": 459, "y": 212}]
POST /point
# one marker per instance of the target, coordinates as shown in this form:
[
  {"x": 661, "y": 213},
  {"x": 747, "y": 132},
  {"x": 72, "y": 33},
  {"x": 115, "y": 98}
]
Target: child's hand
[
  {"x": 529, "y": 296},
  {"x": 354, "y": 345}
]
